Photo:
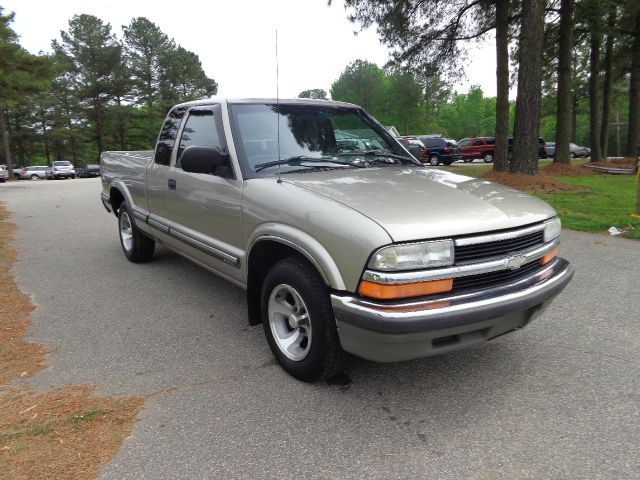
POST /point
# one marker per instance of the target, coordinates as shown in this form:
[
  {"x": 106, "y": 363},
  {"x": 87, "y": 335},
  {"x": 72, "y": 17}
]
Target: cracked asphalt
[{"x": 559, "y": 399}]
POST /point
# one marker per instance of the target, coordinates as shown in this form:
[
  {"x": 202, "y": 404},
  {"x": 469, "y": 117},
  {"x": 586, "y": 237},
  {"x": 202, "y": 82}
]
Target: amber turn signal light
[
  {"x": 549, "y": 256},
  {"x": 404, "y": 290}
]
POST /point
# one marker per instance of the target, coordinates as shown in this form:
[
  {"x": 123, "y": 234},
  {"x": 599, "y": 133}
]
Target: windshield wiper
[
  {"x": 378, "y": 153},
  {"x": 298, "y": 161}
]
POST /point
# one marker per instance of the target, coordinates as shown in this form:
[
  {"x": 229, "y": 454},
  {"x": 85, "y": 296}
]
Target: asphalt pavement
[{"x": 559, "y": 399}]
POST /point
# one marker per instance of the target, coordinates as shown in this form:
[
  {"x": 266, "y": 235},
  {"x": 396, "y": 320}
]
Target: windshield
[
  {"x": 62, "y": 163},
  {"x": 311, "y": 137}
]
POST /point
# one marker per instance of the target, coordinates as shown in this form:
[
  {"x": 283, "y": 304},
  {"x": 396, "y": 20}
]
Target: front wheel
[
  {"x": 488, "y": 157},
  {"x": 299, "y": 323},
  {"x": 136, "y": 246},
  {"x": 35, "y": 177}
]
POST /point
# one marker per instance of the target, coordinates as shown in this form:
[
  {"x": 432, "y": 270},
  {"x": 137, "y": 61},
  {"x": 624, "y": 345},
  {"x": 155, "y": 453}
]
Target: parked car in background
[
  {"x": 88, "y": 171},
  {"x": 577, "y": 151},
  {"x": 477, "y": 147},
  {"x": 415, "y": 147},
  {"x": 550, "y": 148},
  {"x": 35, "y": 172},
  {"x": 61, "y": 169},
  {"x": 485, "y": 148},
  {"x": 440, "y": 150},
  {"x": 4, "y": 174}
]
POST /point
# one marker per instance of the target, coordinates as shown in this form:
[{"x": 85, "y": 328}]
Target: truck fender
[
  {"x": 302, "y": 242},
  {"x": 120, "y": 186}
]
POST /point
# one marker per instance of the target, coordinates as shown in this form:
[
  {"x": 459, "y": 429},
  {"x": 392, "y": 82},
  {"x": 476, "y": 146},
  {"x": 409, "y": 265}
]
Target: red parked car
[
  {"x": 478, "y": 147},
  {"x": 485, "y": 148}
]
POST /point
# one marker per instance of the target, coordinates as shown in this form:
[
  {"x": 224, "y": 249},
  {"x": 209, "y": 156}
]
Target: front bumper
[{"x": 413, "y": 329}]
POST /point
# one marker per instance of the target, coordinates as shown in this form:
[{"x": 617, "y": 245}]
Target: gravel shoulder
[{"x": 559, "y": 399}]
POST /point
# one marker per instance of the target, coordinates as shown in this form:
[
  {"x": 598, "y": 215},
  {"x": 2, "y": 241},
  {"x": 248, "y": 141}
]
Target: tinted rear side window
[
  {"x": 168, "y": 135},
  {"x": 200, "y": 130}
]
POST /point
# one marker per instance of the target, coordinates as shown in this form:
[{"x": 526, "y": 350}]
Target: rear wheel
[
  {"x": 434, "y": 160},
  {"x": 136, "y": 246},
  {"x": 488, "y": 157},
  {"x": 299, "y": 323}
]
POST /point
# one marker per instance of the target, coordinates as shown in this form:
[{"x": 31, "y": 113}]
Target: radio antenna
[{"x": 278, "y": 107}]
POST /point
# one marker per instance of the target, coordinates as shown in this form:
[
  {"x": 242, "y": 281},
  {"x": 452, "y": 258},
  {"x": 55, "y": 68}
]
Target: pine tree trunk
[
  {"x": 45, "y": 137},
  {"x": 527, "y": 121},
  {"x": 99, "y": 127},
  {"x": 6, "y": 141},
  {"x": 606, "y": 89},
  {"x": 634, "y": 101},
  {"x": 594, "y": 104},
  {"x": 574, "y": 117},
  {"x": 565, "y": 76},
  {"x": 501, "y": 160}
]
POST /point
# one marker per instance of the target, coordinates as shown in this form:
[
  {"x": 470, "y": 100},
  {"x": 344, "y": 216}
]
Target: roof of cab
[{"x": 284, "y": 101}]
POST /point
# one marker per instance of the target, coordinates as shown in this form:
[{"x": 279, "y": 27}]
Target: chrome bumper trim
[
  {"x": 501, "y": 263},
  {"x": 448, "y": 311}
]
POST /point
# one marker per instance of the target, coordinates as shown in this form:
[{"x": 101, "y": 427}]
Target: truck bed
[{"x": 130, "y": 168}]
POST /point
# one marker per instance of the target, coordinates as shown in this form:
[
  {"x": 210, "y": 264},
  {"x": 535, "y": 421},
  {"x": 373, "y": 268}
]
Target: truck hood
[{"x": 419, "y": 203}]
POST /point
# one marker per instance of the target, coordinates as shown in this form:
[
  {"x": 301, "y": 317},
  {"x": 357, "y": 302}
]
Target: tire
[
  {"x": 137, "y": 247},
  {"x": 34, "y": 177},
  {"x": 572, "y": 155},
  {"x": 293, "y": 287},
  {"x": 488, "y": 157},
  {"x": 434, "y": 160}
]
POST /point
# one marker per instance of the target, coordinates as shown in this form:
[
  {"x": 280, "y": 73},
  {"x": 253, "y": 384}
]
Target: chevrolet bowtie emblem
[{"x": 515, "y": 262}]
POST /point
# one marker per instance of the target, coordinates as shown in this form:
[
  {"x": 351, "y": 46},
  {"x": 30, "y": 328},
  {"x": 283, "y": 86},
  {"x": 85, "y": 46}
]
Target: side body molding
[{"x": 303, "y": 243}]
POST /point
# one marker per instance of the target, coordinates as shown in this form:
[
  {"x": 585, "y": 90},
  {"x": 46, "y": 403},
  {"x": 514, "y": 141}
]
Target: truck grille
[
  {"x": 481, "y": 251},
  {"x": 487, "y": 280}
]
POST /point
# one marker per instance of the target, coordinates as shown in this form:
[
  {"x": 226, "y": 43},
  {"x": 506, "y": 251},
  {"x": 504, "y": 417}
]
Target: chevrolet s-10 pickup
[{"x": 341, "y": 239}]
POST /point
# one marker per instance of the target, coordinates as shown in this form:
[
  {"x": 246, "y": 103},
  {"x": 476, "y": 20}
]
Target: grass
[{"x": 603, "y": 201}]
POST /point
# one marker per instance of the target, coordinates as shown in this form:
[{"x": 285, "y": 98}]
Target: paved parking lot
[{"x": 560, "y": 399}]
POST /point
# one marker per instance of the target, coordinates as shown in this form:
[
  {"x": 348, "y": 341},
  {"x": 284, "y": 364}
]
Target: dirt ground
[{"x": 65, "y": 432}]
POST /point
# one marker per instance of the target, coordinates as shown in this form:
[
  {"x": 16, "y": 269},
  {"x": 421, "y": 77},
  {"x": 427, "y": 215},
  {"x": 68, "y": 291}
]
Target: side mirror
[{"x": 205, "y": 160}]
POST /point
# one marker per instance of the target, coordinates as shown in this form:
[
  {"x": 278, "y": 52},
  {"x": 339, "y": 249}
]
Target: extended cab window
[
  {"x": 200, "y": 129},
  {"x": 168, "y": 136}
]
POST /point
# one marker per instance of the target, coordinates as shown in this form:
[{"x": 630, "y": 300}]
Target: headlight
[
  {"x": 413, "y": 256},
  {"x": 552, "y": 229}
]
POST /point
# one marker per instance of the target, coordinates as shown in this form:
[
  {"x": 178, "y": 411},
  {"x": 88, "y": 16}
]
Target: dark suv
[{"x": 440, "y": 150}]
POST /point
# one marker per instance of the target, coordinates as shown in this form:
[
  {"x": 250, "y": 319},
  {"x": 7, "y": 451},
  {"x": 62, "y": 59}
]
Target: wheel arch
[
  {"x": 117, "y": 195},
  {"x": 269, "y": 248}
]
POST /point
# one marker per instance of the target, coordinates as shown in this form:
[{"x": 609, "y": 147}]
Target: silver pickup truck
[{"x": 340, "y": 248}]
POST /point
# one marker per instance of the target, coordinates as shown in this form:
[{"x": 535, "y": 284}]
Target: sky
[{"x": 235, "y": 39}]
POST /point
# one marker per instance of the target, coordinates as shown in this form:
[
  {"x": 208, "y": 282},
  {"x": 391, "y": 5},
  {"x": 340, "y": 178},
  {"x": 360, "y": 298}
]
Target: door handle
[{"x": 172, "y": 184}]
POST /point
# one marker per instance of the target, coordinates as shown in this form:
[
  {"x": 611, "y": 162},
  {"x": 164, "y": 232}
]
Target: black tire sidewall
[
  {"x": 142, "y": 247},
  {"x": 324, "y": 338}
]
